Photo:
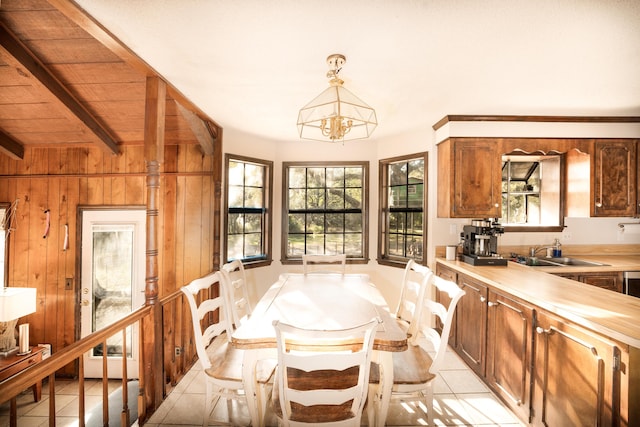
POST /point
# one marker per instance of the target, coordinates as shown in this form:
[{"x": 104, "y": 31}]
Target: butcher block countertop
[{"x": 608, "y": 313}]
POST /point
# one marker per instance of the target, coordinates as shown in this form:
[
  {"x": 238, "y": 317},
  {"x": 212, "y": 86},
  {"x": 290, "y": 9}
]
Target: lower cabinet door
[
  {"x": 509, "y": 351},
  {"x": 471, "y": 318},
  {"x": 574, "y": 377}
]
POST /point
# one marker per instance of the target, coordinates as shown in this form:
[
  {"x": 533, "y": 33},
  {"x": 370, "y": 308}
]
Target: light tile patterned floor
[{"x": 461, "y": 399}]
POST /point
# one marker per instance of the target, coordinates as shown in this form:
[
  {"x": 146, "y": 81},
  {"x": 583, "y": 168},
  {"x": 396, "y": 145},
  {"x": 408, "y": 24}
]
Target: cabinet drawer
[{"x": 21, "y": 365}]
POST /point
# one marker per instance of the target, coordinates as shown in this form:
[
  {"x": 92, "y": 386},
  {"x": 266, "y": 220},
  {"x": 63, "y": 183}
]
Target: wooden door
[
  {"x": 574, "y": 380},
  {"x": 112, "y": 285},
  {"x": 471, "y": 319},
  {"x": 509, "y": 351},
  {"x": 614, "y": 180},
  {"x": 477, "y": 180}
]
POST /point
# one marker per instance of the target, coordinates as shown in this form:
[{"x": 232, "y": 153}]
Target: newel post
[{"x": 152, "y": 325}]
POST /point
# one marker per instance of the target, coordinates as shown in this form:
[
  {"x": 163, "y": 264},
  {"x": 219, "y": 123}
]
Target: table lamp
[{"x": 15, "y": 302}]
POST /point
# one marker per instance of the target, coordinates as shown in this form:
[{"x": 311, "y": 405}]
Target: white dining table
[{"x": 321, "y": 301}]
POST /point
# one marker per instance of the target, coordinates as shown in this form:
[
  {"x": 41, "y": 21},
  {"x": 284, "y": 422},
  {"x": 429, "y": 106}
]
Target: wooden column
[{"x": 152, "y": 325}]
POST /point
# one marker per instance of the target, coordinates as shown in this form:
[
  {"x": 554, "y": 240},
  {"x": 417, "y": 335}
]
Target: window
[
  {"x": 403, "y": 200},
  {"x": 248, "y": 208},
  {"x": 531, "y": 192},
  {"x": 325, "y": 208}
]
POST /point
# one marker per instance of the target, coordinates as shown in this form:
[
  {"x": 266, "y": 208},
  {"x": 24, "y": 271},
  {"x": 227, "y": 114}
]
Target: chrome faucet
[
  {"x": 555, "y": 246},
  {"x": 534, "y": 250}
]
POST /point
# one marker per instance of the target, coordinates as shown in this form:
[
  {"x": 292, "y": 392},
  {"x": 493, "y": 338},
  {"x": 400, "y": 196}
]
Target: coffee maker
[{"x": 480, "y": 243}]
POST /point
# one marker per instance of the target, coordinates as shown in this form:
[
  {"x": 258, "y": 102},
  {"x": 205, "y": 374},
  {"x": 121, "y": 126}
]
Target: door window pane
[{"x": 112, "y": 282}]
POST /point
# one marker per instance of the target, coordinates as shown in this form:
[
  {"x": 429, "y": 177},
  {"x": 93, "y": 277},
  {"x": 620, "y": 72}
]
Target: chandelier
[{"x": 336, "y": 114}]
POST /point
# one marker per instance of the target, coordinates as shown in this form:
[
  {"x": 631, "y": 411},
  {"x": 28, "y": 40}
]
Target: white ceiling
[{"x": 251, "y": 64}]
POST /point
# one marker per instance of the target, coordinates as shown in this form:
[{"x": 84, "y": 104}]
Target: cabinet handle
[
  {"x": 541, "y": 331},
  {"x": 598, "y": 204},
  {"x": 491, "y": 304},
  {"x": 496, "y": 205},
  {"x": 482, "y": 299}
]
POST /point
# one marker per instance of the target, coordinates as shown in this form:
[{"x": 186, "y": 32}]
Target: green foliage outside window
[{"x": 325, "y": 212}]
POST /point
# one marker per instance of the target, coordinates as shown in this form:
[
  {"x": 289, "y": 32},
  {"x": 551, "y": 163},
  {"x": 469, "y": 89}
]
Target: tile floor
[{"x": 461, "y": 399}]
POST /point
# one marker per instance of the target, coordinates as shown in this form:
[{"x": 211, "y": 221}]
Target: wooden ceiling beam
[
  {"x": 84, "y": 20},
  {"x": 200, "y": 128},
  {"x": 11, "y": 147},
  {"x": 21, "y": 56}
]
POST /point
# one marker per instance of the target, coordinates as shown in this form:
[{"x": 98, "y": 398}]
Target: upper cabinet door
[
  {"x": 469, "y": 180},
  {"x": 614, "y": 190}
]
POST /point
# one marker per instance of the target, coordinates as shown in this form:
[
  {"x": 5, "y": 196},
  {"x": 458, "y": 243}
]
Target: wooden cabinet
[
  {"x": 575, "y": 376},
  {"x": 611, "y": 281},
  {"x": 548, "y": 369},
  {"x": 509, "y": 351},
  {"x": 602, "y": 181},
  {"x": 471, "y": 317},
  {"x": 614, "y": 179},
  {"x": 494, "y": 337},
  {"x": 469, "y": 178}
]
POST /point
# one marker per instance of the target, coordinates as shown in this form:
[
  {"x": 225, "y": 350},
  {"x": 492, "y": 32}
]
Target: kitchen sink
[{"x": 561, "y": 262}]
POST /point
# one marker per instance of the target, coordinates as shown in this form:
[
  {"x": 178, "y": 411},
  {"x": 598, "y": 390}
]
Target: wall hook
[{"x": 47, "y": 223}]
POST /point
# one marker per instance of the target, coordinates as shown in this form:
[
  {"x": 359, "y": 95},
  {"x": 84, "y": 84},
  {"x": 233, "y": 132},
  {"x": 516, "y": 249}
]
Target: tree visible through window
[
  {"x": 248, "y": 222},
  {"x": 403, "y": 204},
  {"x": 325, "y": 209}
]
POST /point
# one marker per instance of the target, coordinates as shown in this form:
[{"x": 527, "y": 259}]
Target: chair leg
[
  {"x": 261, "y": 392},
  {"x": 428, "y": 397},
  {"x": 371, "y": 405},
  {"x": 209, "y": 404},
  {"x": 208, "y": 407}
]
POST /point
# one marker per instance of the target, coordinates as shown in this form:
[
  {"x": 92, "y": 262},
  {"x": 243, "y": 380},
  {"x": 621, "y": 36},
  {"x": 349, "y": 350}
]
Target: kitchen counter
[{"x": 609, "y": 313}]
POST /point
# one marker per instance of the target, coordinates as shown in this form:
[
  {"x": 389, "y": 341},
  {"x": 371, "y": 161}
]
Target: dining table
[{"x": 321, "y": 301}]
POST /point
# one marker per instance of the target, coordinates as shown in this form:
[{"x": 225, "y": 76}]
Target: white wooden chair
[
  {"x": 312, "y": 263},
  {"x": 414, "y": 284},
  {"x": 221, "y": 363},
  {"x": 318, "y": 379},
  {"x": 238, "y": 293},
  {"x": 415, "y": 369}
]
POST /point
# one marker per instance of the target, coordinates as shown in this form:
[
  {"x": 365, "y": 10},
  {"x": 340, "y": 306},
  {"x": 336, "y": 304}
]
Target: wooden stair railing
[{"x": 174, "y": 336}]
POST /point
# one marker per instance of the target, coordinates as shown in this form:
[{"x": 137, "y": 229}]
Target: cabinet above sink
[{"x": 602, "y": 177}]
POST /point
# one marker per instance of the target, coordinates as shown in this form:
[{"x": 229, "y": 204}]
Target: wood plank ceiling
[{"x": 65, "y": 81}]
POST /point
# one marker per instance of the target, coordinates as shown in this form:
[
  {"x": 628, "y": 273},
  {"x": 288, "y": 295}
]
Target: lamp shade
[
  {"x": 336, "y": 102},
  {"x": 16, "y": 302}
]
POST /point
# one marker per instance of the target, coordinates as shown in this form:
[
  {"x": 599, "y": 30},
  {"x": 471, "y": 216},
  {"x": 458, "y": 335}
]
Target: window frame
[
  {"x": 267, "y": 214},
  {"x": 285, "y": 259},
  {"x": 383, "y": 195}
]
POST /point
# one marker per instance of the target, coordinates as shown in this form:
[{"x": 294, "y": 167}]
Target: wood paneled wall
[{"x": 61, "y": 180}]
